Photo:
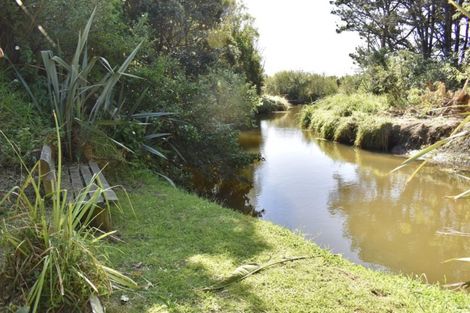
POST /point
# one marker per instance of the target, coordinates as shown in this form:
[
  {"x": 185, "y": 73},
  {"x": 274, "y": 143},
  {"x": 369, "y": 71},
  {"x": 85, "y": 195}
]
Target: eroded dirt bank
[{"x": 409, "y": 134}]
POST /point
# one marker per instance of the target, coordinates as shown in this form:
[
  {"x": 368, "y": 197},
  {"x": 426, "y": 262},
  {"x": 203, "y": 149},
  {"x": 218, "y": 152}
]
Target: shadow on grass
[{"x": 178, "y": 244}]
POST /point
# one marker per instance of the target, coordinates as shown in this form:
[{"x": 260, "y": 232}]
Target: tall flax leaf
[
  {"x": 53, "y": 79},
  {"x": 104, "y": 100}
]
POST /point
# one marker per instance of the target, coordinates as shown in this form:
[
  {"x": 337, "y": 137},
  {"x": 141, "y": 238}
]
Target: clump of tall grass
[
  {"x": 373, "y": 133},
  {"x": 346, "y": 105},
  {"x": 52, "y": 258},
  {"x": 324, "y": 123},
  {"x": 346, "y": 130},
  {"x": 269, "y": 104},
  {"x": 350, "y": 119}
]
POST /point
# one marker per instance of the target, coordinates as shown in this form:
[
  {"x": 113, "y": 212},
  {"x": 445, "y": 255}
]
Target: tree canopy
[{"x": 431, "y": 28}]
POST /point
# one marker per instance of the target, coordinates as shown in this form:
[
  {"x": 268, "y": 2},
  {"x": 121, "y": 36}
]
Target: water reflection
[{"x": 344, "y": 199}]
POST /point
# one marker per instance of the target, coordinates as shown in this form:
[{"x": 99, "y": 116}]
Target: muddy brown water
[{"x": 344, "y": 199}]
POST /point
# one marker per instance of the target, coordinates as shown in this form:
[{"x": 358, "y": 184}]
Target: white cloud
[{"x": 301, "y": 35}]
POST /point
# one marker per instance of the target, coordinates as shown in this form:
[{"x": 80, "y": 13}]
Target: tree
[
  {"x": 202, "y": 33},
  {"x": 236, "y": 38},
  {"x": 52, "y": 24},
  {"x": 180, "y": 28},
  {"x": 380, "y": 22},
  {"x": 428, "y": 27}
]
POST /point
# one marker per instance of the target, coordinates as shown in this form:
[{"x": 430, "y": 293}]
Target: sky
[{"x": 301, "y": 35}]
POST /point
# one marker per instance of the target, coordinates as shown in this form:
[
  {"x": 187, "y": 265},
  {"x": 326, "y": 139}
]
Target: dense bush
[
  {"x": 226, "y": 98},
  {"x": 106, "y": 112},
  {"x": 397, "y": 73},
  {"x": 20, "y": 123},
  {"x": 21, "y": 39},
  {"x": 208, "y": 111},
  {"x": 300, "y": 87},
  {"x": 350, "y": 84}
]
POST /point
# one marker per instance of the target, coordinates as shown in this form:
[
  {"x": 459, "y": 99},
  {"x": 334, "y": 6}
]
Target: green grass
[
  {"x": 373, "y": 133},
  {"x": 345, "y": 105},
  {"x": 177, "y": 244},
  {"x": 350, "y": 119},
  {"x": 269, "y": 104},
  {"x": 346, "y": 131}
]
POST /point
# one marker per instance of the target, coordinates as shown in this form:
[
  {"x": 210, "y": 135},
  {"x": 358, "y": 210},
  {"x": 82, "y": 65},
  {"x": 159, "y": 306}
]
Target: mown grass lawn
[{"x": 177, "y": 244}]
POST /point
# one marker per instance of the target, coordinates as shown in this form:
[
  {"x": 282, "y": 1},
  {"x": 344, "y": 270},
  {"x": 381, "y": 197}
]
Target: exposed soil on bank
[{"x": 410, "y": 134}]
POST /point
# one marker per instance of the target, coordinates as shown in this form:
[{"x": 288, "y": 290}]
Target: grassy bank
[
  {"x": 269, "y": 104},
  {"x": 177, "y": 244},
  {"x": 368, "y": 121},
  {"x": 351, "y": 119}
]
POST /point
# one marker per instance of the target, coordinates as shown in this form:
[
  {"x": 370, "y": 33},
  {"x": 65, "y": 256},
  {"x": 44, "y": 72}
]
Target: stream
[{"x": 345, "y": 200}]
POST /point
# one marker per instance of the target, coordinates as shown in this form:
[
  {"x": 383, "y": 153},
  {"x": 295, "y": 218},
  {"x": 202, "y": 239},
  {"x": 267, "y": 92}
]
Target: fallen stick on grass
[{"x": 248, "y": 270}]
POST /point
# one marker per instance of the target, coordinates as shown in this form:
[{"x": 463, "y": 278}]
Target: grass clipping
[{"x": 248, "y": 270}]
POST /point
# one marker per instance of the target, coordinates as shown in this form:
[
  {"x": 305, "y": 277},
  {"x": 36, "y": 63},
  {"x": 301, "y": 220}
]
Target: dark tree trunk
[{"x": 447, "y": 40}]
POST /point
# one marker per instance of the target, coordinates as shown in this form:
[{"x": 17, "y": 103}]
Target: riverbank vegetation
[
  {"x": 164, "y": 85},
  {"x": 347, "y": 119},
  {"x": 300, "y": 87},
  {"x": 269, "y": 104},
  {"x": 403, "y": 85},
  {"x": 197, "y": 65},
  {"x": 149, "y": 88}
]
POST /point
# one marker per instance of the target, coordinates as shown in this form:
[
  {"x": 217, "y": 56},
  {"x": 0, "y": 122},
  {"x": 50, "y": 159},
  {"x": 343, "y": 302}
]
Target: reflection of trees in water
[
  {"x": 235, "y": 194},
  {"x": 395, "y": 224},
  {"x": 251, "y": 140},
  {"x": 288, "y": 119},
  {"x": 231, "y": 192}
]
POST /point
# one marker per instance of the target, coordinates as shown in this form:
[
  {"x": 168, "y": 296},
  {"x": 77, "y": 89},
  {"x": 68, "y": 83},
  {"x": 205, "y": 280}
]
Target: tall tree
[
  {"x": 378, "y": 22},
  {"x": 428, "y": 27},
  {"x": 201, "y": 33},
  {"x": 180, "y": 27}
]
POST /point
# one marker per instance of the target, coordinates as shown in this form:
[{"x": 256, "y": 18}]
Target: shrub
[
  {"x": 270, "y": 104},
  {"x": 111, "y": 36},
  {"x": 208, "y": 109},
  {"x": 351, "y": 84},
  {"x": 72, "y": 95},
  {"x": 20, "y": 122},
  {"x": 401, "y": 71},
  {"x": 83, "y": 99},
  {"x": 425, "y": 100},
  {"x": 300, "y": 87},
  {"x": 225, "y": 97}
]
